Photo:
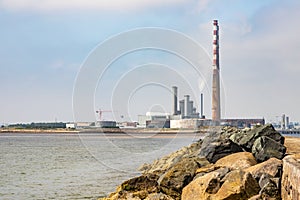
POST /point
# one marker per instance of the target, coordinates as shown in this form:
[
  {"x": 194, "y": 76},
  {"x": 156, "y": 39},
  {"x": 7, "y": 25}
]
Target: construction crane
[{"x": 100, "y": 113}]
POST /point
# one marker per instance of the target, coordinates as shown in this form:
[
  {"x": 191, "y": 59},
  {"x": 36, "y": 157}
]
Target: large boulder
[
  {"x": 291, "y": 177},
  {"x": 273, "y": 167},
  {"x": 181, "y": 174},
  {"x": 160, "y": 166},
  {"x": 238, "y": 185},
  {"x": 202, "y": 187},
  {"x": 265, "y": 148},
  {"x": 136, "y": 188},
  {"x": 247, "y": 139},
  {"x": 217, "y": 145},
  {"x": 241, "y": 160}
]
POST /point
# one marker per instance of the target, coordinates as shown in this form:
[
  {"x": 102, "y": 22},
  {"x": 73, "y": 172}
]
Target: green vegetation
[{"x": 51, "y": 125}]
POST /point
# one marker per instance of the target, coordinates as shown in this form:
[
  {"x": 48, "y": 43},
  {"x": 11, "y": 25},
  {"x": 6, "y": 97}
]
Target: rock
[
  {"x": 160, "y": 166},
  {"x": 181, "y": 174},
  {"x": 264, "y": 180},
  {"x": 238, "y": 185},
  {"x": 270, "y": 191},
  {"x": 136, "y": 188},
  {"x": 222, "y": 172},
  {"x": 265, "y": 148},
  {"x": 217, "y": 145},
  {"x": 247, "y": 139},
  {"x": 158, "y": 196},
  {"x": 291, "y": 177},
  {"x": 241, "y": 160},
  {"x": 273, "y": 167},
  {"x": 256, "y": 197},
  {"x": 206, "y": 169},
  {"x": 144, "y": 182},
  {"x": 202, "y": 187}
]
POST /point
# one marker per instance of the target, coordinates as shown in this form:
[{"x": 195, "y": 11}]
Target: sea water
[{"x": 77, "y": 166}]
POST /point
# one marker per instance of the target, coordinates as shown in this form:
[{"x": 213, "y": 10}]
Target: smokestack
[
  {"x": 201, "y": 103},
  {"x": 287, "y": 123},
  {"x": 175, "y": 93},
  {"x": 216, "y": 104},
  {"x": 186, "y": 105},
  {"x": 181, "y": 106},
  {"x": 283, "y": 122}
]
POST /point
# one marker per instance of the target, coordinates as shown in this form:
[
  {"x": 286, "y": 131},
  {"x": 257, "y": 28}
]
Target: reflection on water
[{"x": 72, "y": 166}]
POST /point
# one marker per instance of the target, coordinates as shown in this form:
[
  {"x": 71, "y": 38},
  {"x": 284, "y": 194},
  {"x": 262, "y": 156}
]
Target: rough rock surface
[
  {"x": 238, "y": 185},
  {"x": 270, "y": 191},
  {"x": 241, "y": 160},
  {"x": 158, "y": 196},
  {"x": 265, "y": 148},
  {"x": 217, "y": 145},
  {"x": 178, "y": 176},
  {"x": 291, "y": 177},
  {"x": 273, "y": 167},
  {"x": 202, "y": 187},
  {"x": 136, "y": 188},
  {"x": 247, "y": 140},
  {"x": 160, "y": 166}
]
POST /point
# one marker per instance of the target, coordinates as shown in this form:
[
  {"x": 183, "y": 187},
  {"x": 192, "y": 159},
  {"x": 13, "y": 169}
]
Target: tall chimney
[
  {"x": 201, "y": 103},
  {"x": 283, "y": 122},
  {"x": 175, "y": 100},
  {"x": 216, "y": 104},
  {"x": 186, "y": 106}
]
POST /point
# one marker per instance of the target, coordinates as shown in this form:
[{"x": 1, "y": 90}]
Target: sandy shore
[{"x": 292, "y": 144}]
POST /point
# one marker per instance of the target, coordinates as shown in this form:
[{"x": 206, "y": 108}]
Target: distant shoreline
[{"x": 104, "y": 130}]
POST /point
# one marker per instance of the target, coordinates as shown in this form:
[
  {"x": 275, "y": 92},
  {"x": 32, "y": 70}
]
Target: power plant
[{"x": 185, "y": 115}]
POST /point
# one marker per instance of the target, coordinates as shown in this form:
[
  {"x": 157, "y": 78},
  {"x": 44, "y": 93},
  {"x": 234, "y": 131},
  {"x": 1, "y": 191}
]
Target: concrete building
[
  {"x": 154, "y": 117},
  {"x": 187, "y": 123},
  {"x": 158, "y": 123},
  {"x": 106, "y": 124},
  {"x": 71, "y": 125},
  {"x": 242, "y": 123},
  {"x": 84, "y": 125}
]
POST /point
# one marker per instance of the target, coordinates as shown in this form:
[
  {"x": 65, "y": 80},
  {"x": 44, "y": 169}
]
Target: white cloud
[{"x": 63, "y": 5}]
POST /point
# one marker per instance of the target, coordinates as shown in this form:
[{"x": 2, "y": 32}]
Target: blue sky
[{"x": 44, "y": 43}]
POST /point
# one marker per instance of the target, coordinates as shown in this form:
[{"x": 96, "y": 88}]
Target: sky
[{"x": 46, "y": 43}]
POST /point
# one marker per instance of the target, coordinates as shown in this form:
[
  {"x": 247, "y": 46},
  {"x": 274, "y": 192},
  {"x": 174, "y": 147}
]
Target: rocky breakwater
[{"x": 228, "y": 163}]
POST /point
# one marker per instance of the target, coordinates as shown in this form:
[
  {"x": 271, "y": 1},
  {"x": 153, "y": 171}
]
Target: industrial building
[
  {"x": 186, "y": 106},
  {"x": 163, "y": 120},
  {"x": 106, "y": 124},
  {"x": 154, "y": 120}
]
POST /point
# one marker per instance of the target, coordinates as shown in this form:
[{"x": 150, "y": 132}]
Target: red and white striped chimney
[
  {"x": 216, "y": 45},
  {"x": 216, "y": 104}
]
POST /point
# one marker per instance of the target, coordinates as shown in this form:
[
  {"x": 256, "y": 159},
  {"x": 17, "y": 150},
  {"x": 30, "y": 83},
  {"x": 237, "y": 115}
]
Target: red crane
[{"x": 100, "y": 113}]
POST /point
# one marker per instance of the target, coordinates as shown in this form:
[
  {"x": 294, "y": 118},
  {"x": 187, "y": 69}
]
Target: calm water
[{"x": 74, "y": 166}]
